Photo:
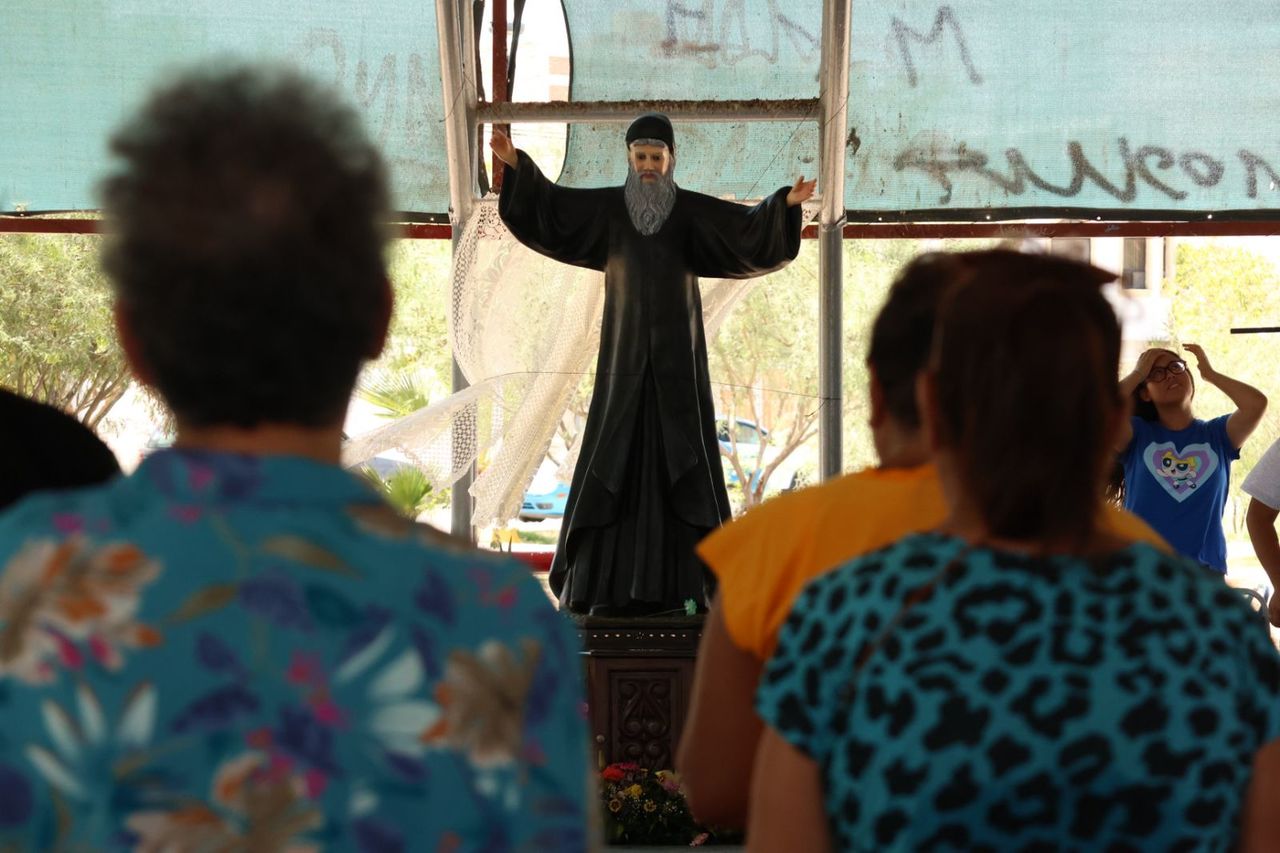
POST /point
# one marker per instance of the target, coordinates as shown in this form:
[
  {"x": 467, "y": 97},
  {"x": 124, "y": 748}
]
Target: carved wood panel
[
  {"x": 639, "y": 681},
  {"x": 643, "y": 710}
]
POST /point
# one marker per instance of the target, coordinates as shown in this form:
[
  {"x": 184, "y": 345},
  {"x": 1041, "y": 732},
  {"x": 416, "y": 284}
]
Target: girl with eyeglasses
[{"x": 1177, "y": 468}]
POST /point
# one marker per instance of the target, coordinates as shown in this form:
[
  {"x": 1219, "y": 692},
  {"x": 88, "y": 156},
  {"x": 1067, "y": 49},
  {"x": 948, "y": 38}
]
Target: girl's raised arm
[
  {"x": 1251, "y": 404},
  {"x": 1128, "y": 385}
]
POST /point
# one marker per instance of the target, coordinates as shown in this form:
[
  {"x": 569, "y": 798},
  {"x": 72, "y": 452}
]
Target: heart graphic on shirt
[{"x": 1180, "y": 472}]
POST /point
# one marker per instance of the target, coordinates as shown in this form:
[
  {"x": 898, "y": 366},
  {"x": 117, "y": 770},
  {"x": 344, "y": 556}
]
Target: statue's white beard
[{"x": 649, "y": 203}]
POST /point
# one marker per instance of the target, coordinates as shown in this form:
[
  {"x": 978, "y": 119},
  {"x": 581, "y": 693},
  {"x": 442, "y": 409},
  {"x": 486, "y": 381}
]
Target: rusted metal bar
[
  {"x": 1015, "y": 230},
  {"x": 40, "y": 225},
  {"x": 499, "y": 87},
  {"x": 851, "y": 231}
]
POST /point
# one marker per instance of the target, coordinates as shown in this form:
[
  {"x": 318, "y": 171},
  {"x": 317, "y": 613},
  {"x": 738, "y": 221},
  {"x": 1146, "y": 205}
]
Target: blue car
[
  {"x": 747, "y": 438},
  {"x": 542, "y": 505}
]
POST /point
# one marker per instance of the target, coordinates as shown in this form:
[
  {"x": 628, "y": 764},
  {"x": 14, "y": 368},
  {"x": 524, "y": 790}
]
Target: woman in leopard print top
[{"x": 1017, "y": 679}]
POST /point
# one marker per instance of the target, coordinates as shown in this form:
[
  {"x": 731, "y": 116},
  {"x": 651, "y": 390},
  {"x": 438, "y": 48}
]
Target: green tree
[
  {"x": 416, "y": 367},
  {"x": 419, "y": 340},
  {"x": 765, "y": 358},
  {"x": 870, "y": 267},
  {"x": 406, "y": 489},
  {"x": 764, "y": 363},
  {"x": 396, "y": 393},
  {"x": 57, "y": 340},
  {"x": 1214, "y": 288}
]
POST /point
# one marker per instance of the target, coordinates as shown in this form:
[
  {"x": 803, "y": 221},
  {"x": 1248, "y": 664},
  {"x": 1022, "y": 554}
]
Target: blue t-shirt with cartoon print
[{"x": 1177, "y": 481}]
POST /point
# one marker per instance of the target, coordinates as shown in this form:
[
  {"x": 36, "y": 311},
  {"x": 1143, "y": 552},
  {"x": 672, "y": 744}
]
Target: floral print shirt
[{"x": 225, "y": 652}]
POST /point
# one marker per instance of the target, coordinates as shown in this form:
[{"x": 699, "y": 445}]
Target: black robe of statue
[{"x": 648, "y": 484}]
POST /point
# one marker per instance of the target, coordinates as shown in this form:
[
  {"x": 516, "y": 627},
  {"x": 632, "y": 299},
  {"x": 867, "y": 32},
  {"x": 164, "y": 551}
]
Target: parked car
[
  {"x": 748, "y": 437},
  {"x": 538, "y": 506},
  {"x": 546, "y": 495},
  {"x": 159, "y": 439}
]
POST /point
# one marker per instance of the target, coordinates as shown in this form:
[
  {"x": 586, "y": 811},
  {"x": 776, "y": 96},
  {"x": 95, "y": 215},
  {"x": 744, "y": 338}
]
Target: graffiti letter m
[{"x": 945, "y": 17}]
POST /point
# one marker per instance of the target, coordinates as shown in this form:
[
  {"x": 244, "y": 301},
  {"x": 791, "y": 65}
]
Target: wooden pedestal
[{"x": 639, "y": 681}]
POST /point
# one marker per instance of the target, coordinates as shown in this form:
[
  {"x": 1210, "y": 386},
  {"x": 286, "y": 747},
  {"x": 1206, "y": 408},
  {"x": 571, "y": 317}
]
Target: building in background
[{"x": 1143, "y": 264}]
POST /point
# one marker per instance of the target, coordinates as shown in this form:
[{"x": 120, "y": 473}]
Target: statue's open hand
[
  {"x": 801, "y": 192},
  {"x": 501, "y": 145}
]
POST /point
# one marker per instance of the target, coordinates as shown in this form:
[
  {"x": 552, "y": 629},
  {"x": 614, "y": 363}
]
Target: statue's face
[{"x": 649, "y": 161}]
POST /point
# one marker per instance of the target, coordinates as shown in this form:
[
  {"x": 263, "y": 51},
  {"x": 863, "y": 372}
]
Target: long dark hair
[{"x": 1024, "y": 370}]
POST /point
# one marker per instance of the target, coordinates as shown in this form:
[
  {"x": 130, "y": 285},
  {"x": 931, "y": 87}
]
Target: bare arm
[
  {"x": 1251, "y": 404},
  {"x": 786, "y": 800},
  {"x": 1128, "y": 385},
  {"x": 1260, "y": 519},
  {"x": 1262, "y": 803},
  {"x": 718, "y": 747}
]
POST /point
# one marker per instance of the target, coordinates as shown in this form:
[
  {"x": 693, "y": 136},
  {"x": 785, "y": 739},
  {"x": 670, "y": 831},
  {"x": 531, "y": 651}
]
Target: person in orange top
[{"x": 764, "y": 559}]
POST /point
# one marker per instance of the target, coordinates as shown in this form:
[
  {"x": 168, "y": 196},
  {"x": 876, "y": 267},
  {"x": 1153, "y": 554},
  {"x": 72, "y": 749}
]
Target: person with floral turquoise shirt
[{"x": 240, "y": 646}]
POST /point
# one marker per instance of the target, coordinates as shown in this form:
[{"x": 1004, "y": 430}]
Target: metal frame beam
[
  {"x": 795, "y": 109},
  {"x": 455, "y": 31},
  {"x": 834, "y": 98}
]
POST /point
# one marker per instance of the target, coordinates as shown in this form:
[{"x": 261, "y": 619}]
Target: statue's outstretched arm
[
  {"x": 567, "y": 224},
  {"x": 731, "y": 240}
]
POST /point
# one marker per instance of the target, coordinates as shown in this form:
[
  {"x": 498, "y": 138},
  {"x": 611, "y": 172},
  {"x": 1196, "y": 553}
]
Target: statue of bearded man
[{"x": 648, "y": 485}]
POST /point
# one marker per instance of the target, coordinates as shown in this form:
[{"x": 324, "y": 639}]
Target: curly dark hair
[{"x": 247, "y": 222}]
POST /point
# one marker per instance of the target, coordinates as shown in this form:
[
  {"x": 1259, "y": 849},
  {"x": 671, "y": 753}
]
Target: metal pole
[
  {"x": 834, "y": 97},
  {"x": 794, "y": 109},
  {"x": 456, "y": 39}
]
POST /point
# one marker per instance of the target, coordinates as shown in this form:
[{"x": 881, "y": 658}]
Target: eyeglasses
[{"x": 1177, "y": 367}]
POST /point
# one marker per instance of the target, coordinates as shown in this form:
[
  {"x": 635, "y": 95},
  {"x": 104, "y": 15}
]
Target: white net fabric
[{"x": 525, "y": 331}]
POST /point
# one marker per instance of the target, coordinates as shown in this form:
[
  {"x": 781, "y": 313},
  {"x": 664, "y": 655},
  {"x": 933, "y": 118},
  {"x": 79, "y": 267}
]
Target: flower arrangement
[
  {"x": 643, "y": 807},
  {"x": 647, "y": 807}
]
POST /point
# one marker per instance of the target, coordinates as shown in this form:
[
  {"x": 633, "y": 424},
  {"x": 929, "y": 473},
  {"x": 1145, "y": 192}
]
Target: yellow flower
[
  {"x": 650, "y": 806},
  {"x": 615, "y": 806},
  {"x": 634, "y": 791}
]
